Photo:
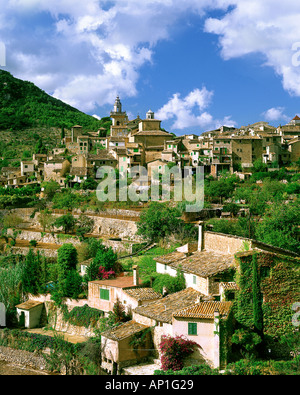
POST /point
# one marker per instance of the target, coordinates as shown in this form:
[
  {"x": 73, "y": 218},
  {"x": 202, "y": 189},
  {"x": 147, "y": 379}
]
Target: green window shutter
[
  {"x": 192, "y": 328},
  {"x": 104, "y": 294},
  {"x": 194, "y": 279}
]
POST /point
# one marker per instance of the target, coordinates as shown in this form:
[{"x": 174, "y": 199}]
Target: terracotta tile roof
[
  {"x": 169, "y": 258},
  {"x": 162, "y": 309},
  {"x": 201, "y": 263},
  {"x": 204, "y": 310},
  {"x": 118, "y": 282},
  {"x": 230, "y": 286},
  {"x": 103, "y": 154},
  {"x": 29, "y": 304},
  {"x": 152, "y": 133},
  {"x": 78, "y": 171},
  {"x": 143, "y": 293},
  {"x": 124, "y": 330}
]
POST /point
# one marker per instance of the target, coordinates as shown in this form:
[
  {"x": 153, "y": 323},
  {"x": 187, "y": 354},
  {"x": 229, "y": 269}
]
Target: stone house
[
  {"x": 246, "y": 150},
  {"x": 103, "y": 294},
  {"x": 118, "y": 349},
  {"x": 29, "y": 313},
  {"x": 56, "y": 169},
  {"x": 9, "y": 171},
  {"x": 294, "y": 149},
  {"x": 27, "y": 168},
  {"x": 79, "y": 174},
  {"x": 102, "y": 158},
  {"x": 202, "y": 270},
  {"x": 156, "y": 166},
  {"x": 158, "y": 314},
  {"x": 200, "y": 323}
]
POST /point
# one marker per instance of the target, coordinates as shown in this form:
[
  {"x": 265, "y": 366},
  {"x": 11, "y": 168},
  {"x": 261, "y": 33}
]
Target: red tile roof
[
  {"x": 118, "y": 282},
  {"x": 204, "y": 310}
]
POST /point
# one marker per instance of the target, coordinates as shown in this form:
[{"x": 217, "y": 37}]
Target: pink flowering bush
[
  {"x": 104, "y": 274},
  {"x": 174, "y": 350}
]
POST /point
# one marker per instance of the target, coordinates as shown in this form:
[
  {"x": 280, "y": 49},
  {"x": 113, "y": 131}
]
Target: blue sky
[{"x": 197, "y": 64}]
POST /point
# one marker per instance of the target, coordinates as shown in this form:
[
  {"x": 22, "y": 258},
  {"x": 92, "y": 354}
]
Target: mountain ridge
[{"x": 24, "y": 105}]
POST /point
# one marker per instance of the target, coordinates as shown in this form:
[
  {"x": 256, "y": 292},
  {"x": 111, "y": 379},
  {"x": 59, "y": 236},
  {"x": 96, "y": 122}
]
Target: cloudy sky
[{"x": 197, "y": 64}]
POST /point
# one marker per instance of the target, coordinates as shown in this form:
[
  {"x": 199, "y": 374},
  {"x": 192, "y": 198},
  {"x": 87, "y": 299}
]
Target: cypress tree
[{"x": 257, "y": 297}]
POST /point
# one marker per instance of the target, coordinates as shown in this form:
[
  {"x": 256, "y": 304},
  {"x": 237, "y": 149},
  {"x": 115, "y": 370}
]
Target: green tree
[
  {"x": 158, "y": 221},
  {"x": 85, "y": 225},
  {"x": 67, "y": 222},
  {"x": 89, "y": 183},
  {"x": 73, "y": 284},
  {"x": 31, "y": 273},
  {"x": 46, "y": 219},
  {"x": 279, "y": 226},
  {"x": 106, "y": 258},
  {"x": 222, "y": 188},
  {"x": 67, "y": 260},
  {"x": 50, "y": 188}
]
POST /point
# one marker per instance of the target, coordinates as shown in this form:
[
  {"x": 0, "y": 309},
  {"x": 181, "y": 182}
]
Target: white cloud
[
  {"x": 189, "y": 111},
  {"x": 84, "y": 52},
  {"x": 268, "y": 27},
  {"x": 276, "y": 114}
]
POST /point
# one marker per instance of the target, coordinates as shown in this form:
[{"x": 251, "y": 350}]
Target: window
[
  {"x": 166, "y": 267},
  {"x": 194, "y": 279},
  {"x": 124, "y": 159},
  {"x": 104, "y": 294},
  {"x": 192, "y": 328}
]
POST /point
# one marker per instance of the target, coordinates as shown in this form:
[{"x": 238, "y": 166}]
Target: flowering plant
[
  {"x": 104, "y": 274},
  {"x": 174, "y": 350}
]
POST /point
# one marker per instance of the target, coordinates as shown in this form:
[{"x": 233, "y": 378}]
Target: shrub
[
  {"x": 196, "y": 370},
  {"x": 174, "y": 350},
  {"x": 83, "y": 316},
  {"x": 172, "y": 284}
]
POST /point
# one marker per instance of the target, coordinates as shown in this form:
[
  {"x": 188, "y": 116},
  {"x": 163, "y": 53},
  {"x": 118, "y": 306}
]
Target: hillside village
[
  {"x": 142, "y": 142},
  {"x": 233, "y": 285}
]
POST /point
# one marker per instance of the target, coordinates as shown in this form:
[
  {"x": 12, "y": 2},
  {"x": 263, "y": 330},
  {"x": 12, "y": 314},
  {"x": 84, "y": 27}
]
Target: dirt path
[{"x": 70, "y": 338}]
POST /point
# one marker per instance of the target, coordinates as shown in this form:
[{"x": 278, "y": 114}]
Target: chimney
[
  {"x": 135, "y": 275},
  {"x": 200, "y": 236}
]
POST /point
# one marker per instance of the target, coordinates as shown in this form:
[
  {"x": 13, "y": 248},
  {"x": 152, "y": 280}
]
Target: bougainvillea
[
  {"x": 104, "y": 274},
  {"x": 174, "y": 350}
]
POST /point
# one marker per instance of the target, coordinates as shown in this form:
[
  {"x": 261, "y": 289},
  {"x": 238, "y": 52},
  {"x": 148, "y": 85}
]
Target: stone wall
[
  {"x": 45, "y": 237},
  {"x": 105, "y": 226},
  {"x": 22, "y": 358},
  {"x": 224, "y": 244},
  {"x": 48, "y": 253}
]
